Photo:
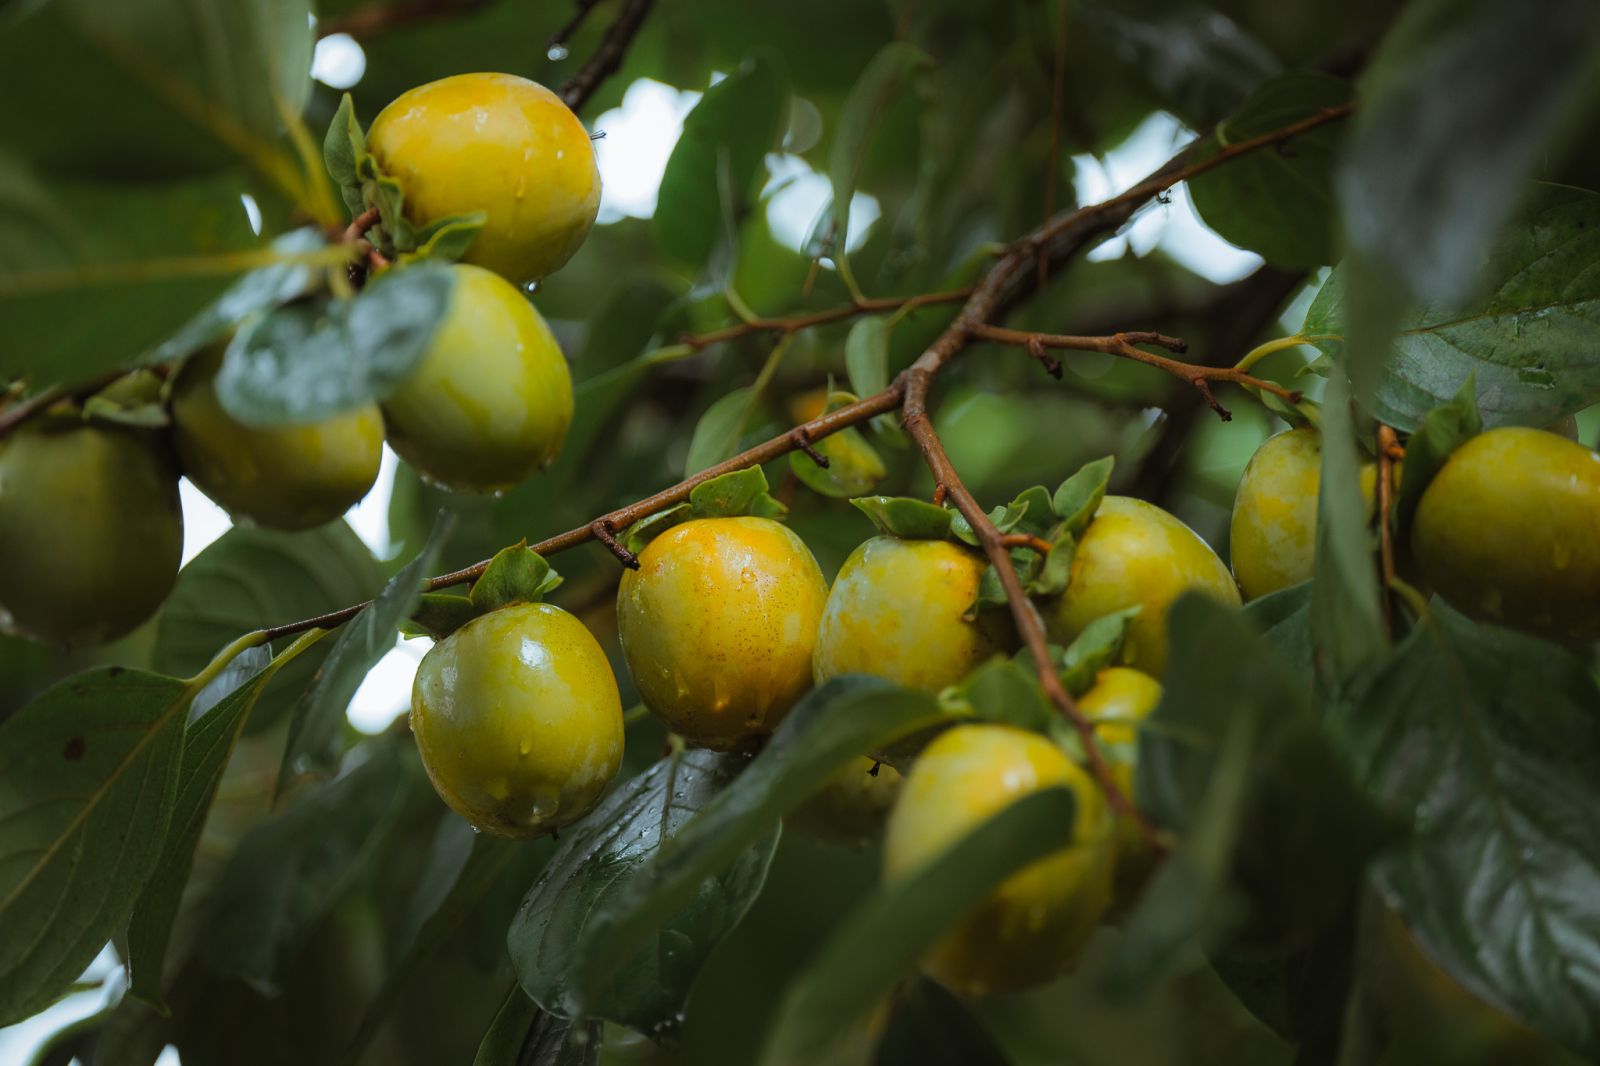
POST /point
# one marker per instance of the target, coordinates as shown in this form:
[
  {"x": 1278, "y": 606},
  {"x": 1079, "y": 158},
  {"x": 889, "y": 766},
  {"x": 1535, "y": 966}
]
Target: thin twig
[
  {"x": 603, "y": 533},
  {"x": 802, "y": 441},
  {"x": 795, "y": 323},
  {"x": 1026, "y": 540},
  {"x": 608, "y": 57},
  {"x": 560, "y": 38}
]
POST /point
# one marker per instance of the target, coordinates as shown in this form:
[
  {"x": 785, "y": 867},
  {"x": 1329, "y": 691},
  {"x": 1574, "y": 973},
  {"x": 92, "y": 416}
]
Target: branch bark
[{"x": 608, "y": 57}]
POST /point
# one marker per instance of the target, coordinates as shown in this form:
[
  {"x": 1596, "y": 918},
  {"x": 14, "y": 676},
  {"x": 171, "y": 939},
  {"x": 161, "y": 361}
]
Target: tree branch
[
  {"x": 608, "y": 57},
  {"x": 795, "y": 323}
]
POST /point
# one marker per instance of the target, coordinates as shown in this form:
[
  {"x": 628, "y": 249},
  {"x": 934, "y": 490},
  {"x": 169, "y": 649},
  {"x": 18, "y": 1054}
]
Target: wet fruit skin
[
  {"x": 718, "y": 625},
  {"x": 499, "y": 144},
  {"x": 91, "y": 532},
  {"x": 1120, "y": 700},
  {"x": 895, "y": 611},
  {"x": 1508, "y": 531},
  {"x": 1136, "y": 554},
  {"x": 852, "y": 806},
  {"x": 281, "y": 477},
  {"x": 1034, "y": 923},
  {"x": 1273, "y": 534},
  {"x": 518, "y": 720},
  {"x": 490, "y": 402}
]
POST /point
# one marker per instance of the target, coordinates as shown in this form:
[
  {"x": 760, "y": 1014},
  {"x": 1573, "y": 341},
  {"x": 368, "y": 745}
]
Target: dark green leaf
[
  {"x": 905, "y": 517},
  {"x": 598, "y": 861},
  {"x": 517, "y": 574},
  {"x": 1078, "y": 498},
  {"x": 343, "y": 147},
  {"x": 1003, "y": 690},
  {"x": 886, "y": 77},
  {"x": 315, "y": 727},
  {"x": 826, "y": 1009},
  {"x": 523, "y": 1035},
  {"x": 741, "y": 492},
  {"x": 439, "y": 614},
  {"x": 838, "y": 721},
  {"x": 88, "y": 777},
  {"x": 716, "y": 435},
  {"x": 306, "y": 361},
  {"x": 1443, "y": 430},
  {"x": 931, "y": 1027},
  {"x": 866, "y": 356},
  {"x": 1530, "y": 341},
  {"x": 1052, "y": 578},
  {"x": 1488, "y": 740},
  {"x": 1096, "y": 648},
  {"x": 1278, "y": 202},
  {"x": 1457, "y": 106},
  {"x": 735, "y": 124}
]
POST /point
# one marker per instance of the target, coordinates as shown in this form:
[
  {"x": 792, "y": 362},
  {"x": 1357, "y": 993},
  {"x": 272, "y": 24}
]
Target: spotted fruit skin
[
  {"x": 499, "y": 144},
  {"x": 718, "y": 625},
  {"x": 895, "y": 610},
  {"x": 518, "y": 720},
  {"x": 1508, "y": 531},
  {"x": 1033, "y": 925},
  {"x": 490, "y": 402},
  {"x": 851, "y": 807},
  {"x": 91, "y": 532},
  {"x": 281, "y": 477},
  {"x": 1117, "y": 705},
  {"x": 1136, "y": 554}
]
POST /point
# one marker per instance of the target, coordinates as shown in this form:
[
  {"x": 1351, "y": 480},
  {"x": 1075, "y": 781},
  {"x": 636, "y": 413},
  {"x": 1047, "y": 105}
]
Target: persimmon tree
[{"x": 945, "y": 635}]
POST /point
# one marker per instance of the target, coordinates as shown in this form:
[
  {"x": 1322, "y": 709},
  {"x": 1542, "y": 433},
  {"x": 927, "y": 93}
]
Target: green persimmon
[
  {"x": 282, "y": 477},
  {"x": 896, "y": 610},
  {"x": 1034, "y": 923},
  {"x": 718, "y": 625},
  {"x": 502, "y": 145},
  {"x": 91, "y": 531},
  {"x": 850, "y": 808},
  {"x": 1508, "y": 531},
  {"x": 518, "y": 720},
  {"x": 1117, "y": 704},
  {"x": 491, "y": 399},
  {"x": 1134, "y": 554}
]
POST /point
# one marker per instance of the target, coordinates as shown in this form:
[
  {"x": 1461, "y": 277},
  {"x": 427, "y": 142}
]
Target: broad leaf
[
  {"x": 903, "y": 516},
  {"x": 88, "y": 778},
  {"x": 517, "y": 574},
  {"x": 931, "y": 1027},
  {"x": 891, "y": 71},
  {"x": 716, "y": 435},
  {"x": 523, "y": 1035},
  {"x": 598, "y": 859}
]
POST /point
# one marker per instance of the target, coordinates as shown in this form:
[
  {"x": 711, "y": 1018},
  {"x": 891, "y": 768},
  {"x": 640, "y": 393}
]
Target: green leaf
[
  {"x": 1277, "y": 203},
  {"x": 1458, "y": 106},
  {"x": 598, "y": 861},
  {"x": 1034, "y": 510},
  {"x": 1488, "y": 740},
  {"x": 740, "y": 492},
  {"x": 891, "y": 71},
  {"x": 1003, "y": 690},
  {"x": 716, "y": 435},
  {"x": 523, "y": 1035},
  {"x": 838, "y": 721},
  {"x": 157, "y": 89},
  {"x": 1443, "y": 430},
  {"x": 88, "y": 777},
  {"x": 517, "y": 574},
  {"x": 291, "y": 869},
  {"x": 866, "y": 356},
  {"x": 439, "y": 614},
  {"x": 1529, "y": 339},
  {"x": 307, "y": 361},
  {"x": 1053, "y": 576},
  {"x": 446, "y": 239},
  {"x": 931, "y": 1027},
  {"x": 1078, "y": 498},
  {"x": 642, "y": 532},
  {"x": 735, "y": 124},
  {"x": 342, "y": 148},
  {"x": 318, "y": 720},
  {"x": 826, "y": 1010},
  {"x": 1096, "y": 648},
  {"x": 903, "y": 516}
]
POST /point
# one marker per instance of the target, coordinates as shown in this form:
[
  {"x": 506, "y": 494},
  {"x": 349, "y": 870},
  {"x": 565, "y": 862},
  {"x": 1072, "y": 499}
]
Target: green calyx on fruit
[
  {"x": 1506, "y": 532},
  {"x": 281, "y": 477},
  {"x": 490, "y": 401},
  {"x": 718, "y": 625},
  {"x": 1134, "y": 554},
  {"x": 518, "y": 720},
  {"x": 896, "y": 610},
  {"x": 91, "y": 532},
  {"x": 497, "y": 144},
  {"x": 1034, "y": 923}
]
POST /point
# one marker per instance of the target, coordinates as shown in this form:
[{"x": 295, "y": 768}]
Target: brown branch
[
  {"x": 608, "y": 57},
  {"x": 13, "y": 416},
  {"x": 381, "y": 17},
  {"x": 603, "y": 533},
  {"x": 795, "y": 323},
  {"x": 1026, "y": 540},
  {"x": 560, "y": 38},
  {"x": 1198, "y": 375},
  {"x": 802, "y": 441}
]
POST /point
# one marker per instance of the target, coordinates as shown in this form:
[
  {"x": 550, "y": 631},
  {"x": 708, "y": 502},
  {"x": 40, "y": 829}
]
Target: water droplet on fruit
[
  {"x": 531, "y": 287},
  {"x": 557, "y": 53},
  {"x": 526, "y": 745}
]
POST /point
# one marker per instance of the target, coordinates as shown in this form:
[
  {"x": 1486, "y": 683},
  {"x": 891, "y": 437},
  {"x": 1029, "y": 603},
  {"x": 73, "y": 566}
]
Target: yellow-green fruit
[
  {"x": 283, "y": 477},
  {"x": 499, "y": 144},
  {"x": 1134, "y": 554},
  {"x": 91, "y": 533},
  {"x": 1509, "y": 532},
  {"x": 518, "y": 720},
  {"x": 1033, "y": 924},
  {"x": 491, "y": 400},
  {"x": 851, "y": 807},
  {"x": 1119, "y": 702},
  {"x": 895, "y": 611},
  {"x": 718, "y": 624}
]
